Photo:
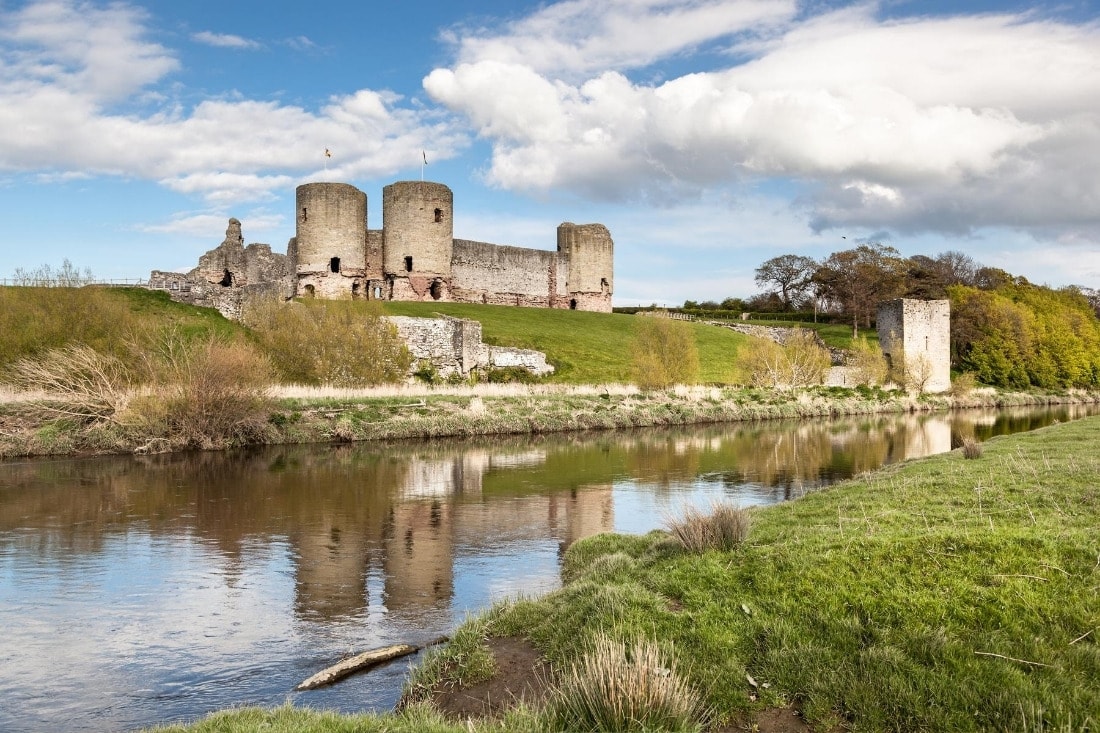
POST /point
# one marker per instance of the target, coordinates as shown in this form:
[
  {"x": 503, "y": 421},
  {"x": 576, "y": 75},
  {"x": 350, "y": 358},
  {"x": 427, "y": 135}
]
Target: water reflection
[{"x": 168, "y": 586}]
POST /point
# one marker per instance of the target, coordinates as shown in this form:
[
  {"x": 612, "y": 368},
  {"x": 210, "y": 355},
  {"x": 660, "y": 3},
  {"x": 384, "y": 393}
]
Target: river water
[{"x": 136, "y": 591}]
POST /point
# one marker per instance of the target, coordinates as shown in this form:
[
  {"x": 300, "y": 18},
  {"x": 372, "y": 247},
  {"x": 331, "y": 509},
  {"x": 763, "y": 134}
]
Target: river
[{"x": 137, "y": 591}]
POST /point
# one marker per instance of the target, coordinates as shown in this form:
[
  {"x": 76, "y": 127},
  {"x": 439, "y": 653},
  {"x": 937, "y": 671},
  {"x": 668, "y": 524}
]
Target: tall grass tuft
[
  {"x": 971, "y": 448},
  {"x": 723, "y": 528},
  {"x": 619, "y": 688},
  {"x": 80, "y": 382}
]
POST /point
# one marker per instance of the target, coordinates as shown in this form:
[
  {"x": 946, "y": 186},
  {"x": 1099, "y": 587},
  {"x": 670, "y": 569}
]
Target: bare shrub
[
  {"x": 79, "y": 382},
  {"x": 723, "y": 528},
  {"x": 971, "y": 448},
  {"x": 798, "y": 362},
  {"x": 337, "y": 343},
  {"x": 663, "y": 353},
  {"x": 204, "y": 394},
  {"x": 866, "y": 363},
  {"x": 619, "y": 688}
]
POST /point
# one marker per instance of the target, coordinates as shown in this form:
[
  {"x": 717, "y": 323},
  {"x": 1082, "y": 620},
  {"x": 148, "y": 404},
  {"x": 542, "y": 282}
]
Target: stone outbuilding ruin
[{"x": 414, "y": 257}]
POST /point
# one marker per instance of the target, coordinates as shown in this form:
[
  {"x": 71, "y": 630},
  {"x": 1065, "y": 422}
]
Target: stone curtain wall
[
  {"x": 454, "y": 347},
  {"x": 502, "y": 275}
]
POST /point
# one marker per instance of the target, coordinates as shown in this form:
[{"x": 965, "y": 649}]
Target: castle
[{"x": 414, "y": 257}]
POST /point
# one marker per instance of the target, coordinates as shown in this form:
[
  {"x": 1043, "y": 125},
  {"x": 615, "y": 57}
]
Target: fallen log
[{"x": 348, "y": 666}]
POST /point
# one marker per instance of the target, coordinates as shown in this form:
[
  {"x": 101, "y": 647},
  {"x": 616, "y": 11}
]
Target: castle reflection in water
[{"x": 406, "y": 515}]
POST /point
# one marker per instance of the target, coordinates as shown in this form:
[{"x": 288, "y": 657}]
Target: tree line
[{"x": 1005, "y": 330}]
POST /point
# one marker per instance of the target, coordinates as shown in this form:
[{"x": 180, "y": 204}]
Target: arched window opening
[
  {"x": 334, "y": 264},
  {"x": 305, "y": 214},
  {"x": 310, "y": 291},
  {"x": 573, "y": 304},
  {"x": 408, "y": 264},
  {"x": 436, "y": 289},
  {"x": 355, "y": 290},
  {"x": 439, "y": 215},
  {"x": 227, "y": 279}
]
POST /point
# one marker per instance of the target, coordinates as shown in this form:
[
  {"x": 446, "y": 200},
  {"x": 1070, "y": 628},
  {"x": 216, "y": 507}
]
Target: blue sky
[{"x": 708, "y": 135}]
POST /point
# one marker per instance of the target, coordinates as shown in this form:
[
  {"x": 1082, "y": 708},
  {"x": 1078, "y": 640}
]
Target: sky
[{"x": 708, "y": 135}]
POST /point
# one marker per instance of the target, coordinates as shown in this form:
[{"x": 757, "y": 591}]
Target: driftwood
[{"x": 342, "y": 669}]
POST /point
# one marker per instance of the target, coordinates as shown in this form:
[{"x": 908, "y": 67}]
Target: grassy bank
[
  {"x": 26, "y": 429},
  {"x": 585, "y": 348},
  {"x": 943, "y": 594}
]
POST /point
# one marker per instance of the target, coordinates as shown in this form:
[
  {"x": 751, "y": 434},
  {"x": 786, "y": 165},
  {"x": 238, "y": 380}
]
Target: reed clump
[
  {"x": 620, "y": 687},
  {"x": 971, "y": 448},
  {"x": 724, "y": 527}
]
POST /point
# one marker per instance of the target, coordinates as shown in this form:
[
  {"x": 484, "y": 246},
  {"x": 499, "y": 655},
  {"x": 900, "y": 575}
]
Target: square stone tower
[{"x": 915, "y": 336}]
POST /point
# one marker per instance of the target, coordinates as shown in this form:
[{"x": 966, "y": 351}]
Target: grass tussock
[
  {"x": 971, "y": 448},
  {"x": 621, "y": 687},
  {"x": 724, "y": 527}
]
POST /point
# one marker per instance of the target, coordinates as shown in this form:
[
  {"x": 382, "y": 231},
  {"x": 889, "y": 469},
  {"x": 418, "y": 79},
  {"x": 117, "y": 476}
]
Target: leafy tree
[
  {"x": 733, "y": 304},
  {"x": 800, "y": 361},
  {"x": 859, "y": 279},
  {"x": 664, "y": 353},
  {"x": 788, "y": 275}
]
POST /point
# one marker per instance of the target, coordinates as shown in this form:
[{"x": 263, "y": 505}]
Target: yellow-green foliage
[
  {"x": 797, "y": 363},
  {"x": 341, "y": 343},
  {"x": 663, "y": 353},
  {"x": 1023, "y": 335},
  {"x": 866, "y": 363}
]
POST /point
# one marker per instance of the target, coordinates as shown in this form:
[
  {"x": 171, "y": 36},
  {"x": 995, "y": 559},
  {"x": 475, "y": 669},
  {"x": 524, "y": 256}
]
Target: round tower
[
  {"x": 418, "y": 220},
  {"x": 331, "y": 231}
]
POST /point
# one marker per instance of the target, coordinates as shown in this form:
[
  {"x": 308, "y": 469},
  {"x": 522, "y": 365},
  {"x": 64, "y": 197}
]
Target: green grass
[
  {"x": 837, "y": 335},
  {"x": 34, "y": 320},
  {"x": 584, "y": 347},
  {"x": 941, "y": 594}
]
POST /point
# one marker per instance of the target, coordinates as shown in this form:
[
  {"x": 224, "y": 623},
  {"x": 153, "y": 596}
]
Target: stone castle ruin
[
  {"x": 915, "y": 336},
  {"x": 414, "y": 257}
]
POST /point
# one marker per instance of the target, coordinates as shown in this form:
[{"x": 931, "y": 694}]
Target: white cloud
[
  {"x": 207, "y": 225},
  {"x": 225, "y": 40},
  {"x": 70, "y": 72},
  {"x": 949, "y": 124},
  {"x": 579, "y": 37}
]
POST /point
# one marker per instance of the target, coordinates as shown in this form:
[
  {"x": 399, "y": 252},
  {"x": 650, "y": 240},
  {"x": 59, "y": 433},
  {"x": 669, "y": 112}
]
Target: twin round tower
[{"x": 415, "y": 256}]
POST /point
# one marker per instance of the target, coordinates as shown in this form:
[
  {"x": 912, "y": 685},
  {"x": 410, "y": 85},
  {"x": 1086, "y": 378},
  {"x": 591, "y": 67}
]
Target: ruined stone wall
[
  {"x": 418, "y": 221},
  {"x": 916, "y": 335},
  {"x": 454, "y": 347},
  {"x": 491, "y": 273},
  {"x": 229, "y": 275},
  {"x": 331, "y": 229}
]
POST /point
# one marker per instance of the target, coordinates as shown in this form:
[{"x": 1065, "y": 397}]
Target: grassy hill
[
  {"x": 36, "y": 319},
  {"x": 584, "y": 347}
]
